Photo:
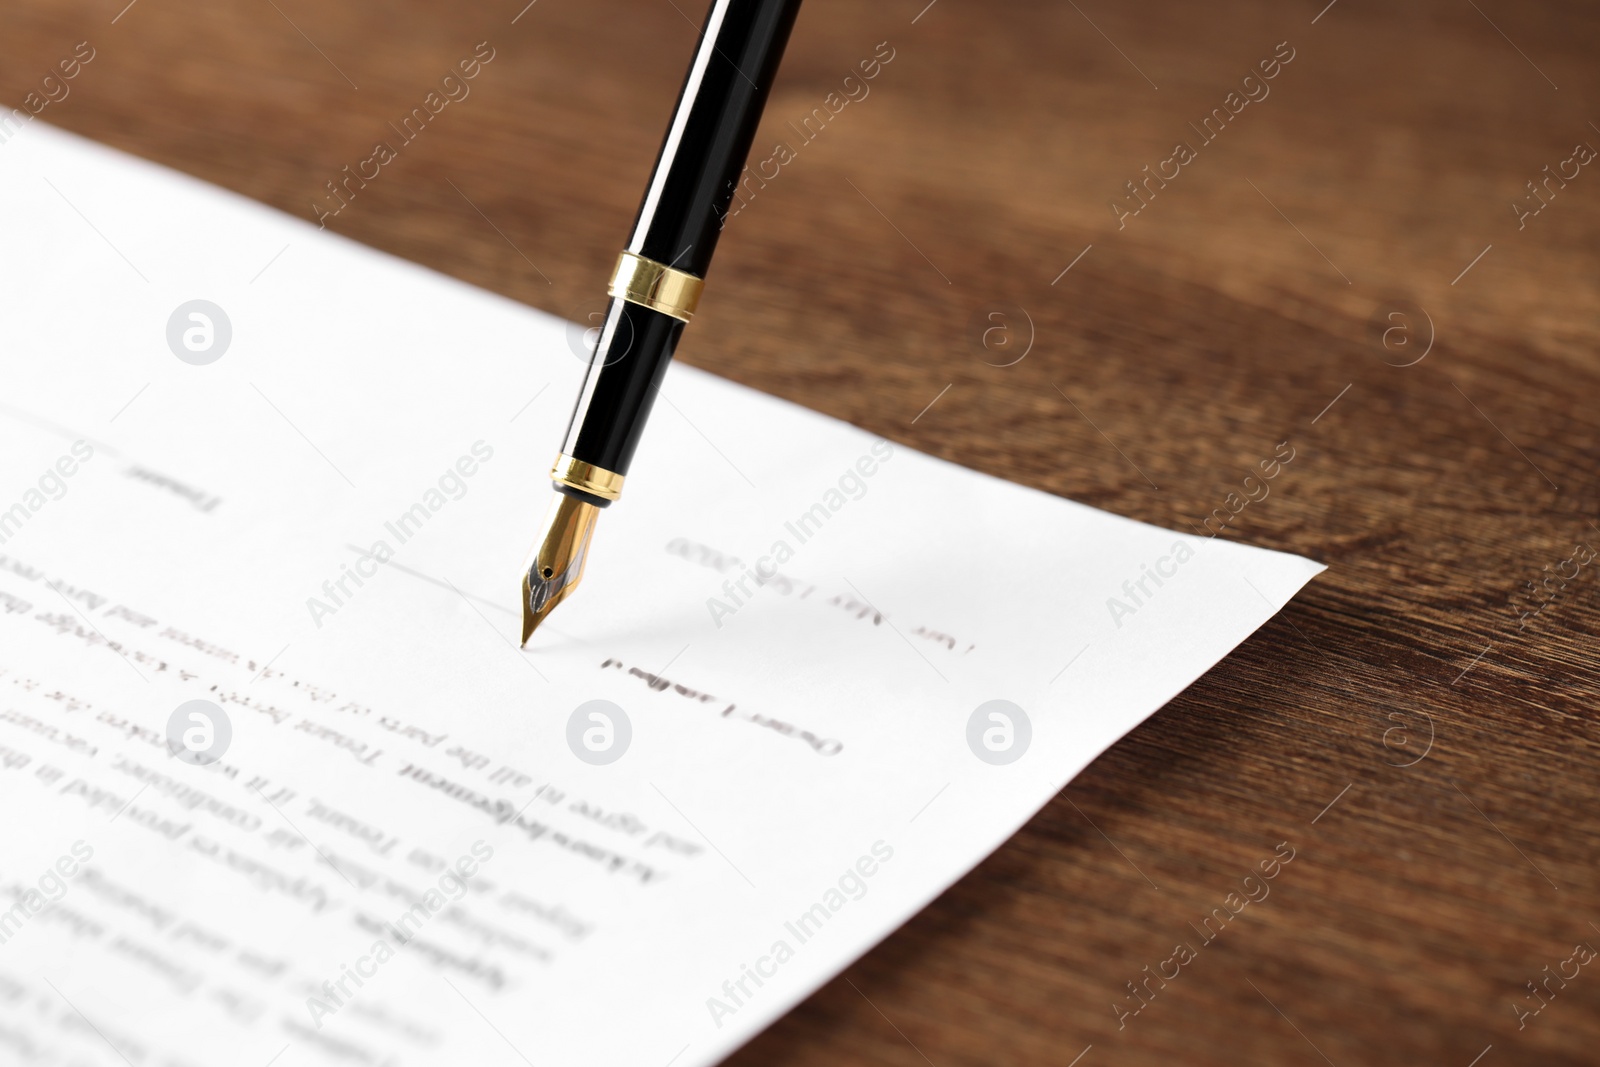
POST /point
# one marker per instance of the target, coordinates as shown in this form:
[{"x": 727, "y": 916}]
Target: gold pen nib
[{"x": 555, "y": 565}]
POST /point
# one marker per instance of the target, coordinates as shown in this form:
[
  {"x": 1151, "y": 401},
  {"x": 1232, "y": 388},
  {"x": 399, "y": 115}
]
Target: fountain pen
[{"x": 657, "y": 282}]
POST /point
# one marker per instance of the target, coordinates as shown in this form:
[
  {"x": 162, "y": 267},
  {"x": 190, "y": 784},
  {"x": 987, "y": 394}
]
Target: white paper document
[{"x": 279, "y": 786}]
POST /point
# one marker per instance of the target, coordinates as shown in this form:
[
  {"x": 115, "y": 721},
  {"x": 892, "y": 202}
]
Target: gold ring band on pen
[
  {"x": 587, "y": 478},
  {"x": 656, "y": 286}
]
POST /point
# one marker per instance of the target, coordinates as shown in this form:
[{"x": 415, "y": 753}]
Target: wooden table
[{"x": 1337, "y": 264}]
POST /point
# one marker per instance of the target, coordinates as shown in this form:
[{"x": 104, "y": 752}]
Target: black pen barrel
[
  {"x": 705, "y": 148},
  {"x": 634, "y": 348},
  {"x": 680, "y": 219}
]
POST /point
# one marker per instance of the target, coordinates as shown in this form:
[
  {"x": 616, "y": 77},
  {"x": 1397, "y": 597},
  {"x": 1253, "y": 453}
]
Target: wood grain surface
[{"x": 1419, "y": 725}]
